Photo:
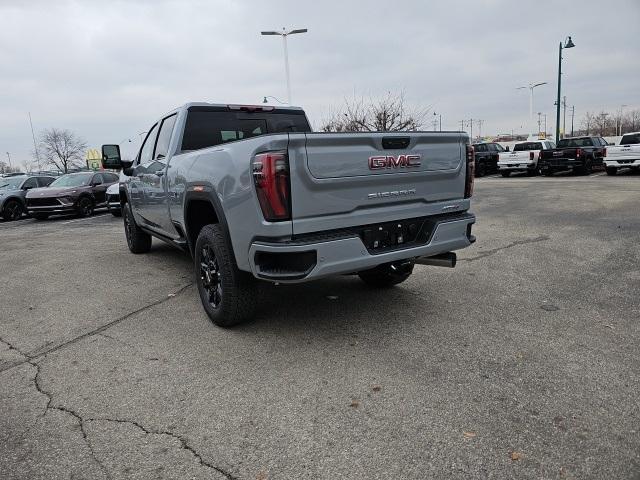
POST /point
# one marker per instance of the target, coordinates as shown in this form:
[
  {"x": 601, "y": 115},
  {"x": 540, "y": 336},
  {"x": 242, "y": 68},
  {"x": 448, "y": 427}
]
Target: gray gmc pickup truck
[{"x": 253, "y": 194}]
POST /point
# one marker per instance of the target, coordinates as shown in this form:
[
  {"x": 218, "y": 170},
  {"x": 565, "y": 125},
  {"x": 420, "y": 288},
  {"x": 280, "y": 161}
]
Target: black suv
[
  {"x": 13, "y": 191},
  {"x": 487, "y": 157}
]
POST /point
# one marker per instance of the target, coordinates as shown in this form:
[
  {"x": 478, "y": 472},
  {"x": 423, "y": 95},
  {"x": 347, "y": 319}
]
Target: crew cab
[
  {"x": 524, "y": 157},
  {"x": 254, "y": 195},
  {"x": 625, "y": 155},
  {"x": 486, "y": 155},
  {"x": 579, "y": 154}
]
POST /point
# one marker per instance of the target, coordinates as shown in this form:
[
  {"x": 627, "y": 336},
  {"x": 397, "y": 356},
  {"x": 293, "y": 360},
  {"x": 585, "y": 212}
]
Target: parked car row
[
  {"x": 41, "y": 196},
  {"x": 544, "y": 157}
]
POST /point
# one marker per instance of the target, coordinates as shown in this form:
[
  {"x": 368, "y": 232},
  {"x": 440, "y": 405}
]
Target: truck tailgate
[{"x": 347, "y": 179}]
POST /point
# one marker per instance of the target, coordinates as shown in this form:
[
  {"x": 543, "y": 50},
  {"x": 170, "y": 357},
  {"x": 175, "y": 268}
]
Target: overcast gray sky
[{"x": 108, "y": 69}]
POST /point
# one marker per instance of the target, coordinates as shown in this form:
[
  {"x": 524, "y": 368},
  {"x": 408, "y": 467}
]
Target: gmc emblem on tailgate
[{"x": 389, "y": 161}]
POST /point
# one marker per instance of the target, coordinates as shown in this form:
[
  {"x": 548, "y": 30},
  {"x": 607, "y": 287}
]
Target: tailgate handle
[{"x": 395, "y": 143}]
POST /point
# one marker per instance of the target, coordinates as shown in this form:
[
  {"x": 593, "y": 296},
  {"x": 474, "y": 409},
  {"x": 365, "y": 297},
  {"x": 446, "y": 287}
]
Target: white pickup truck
[
  {"x": 523, "y": 158},
  {"x": 625, "y": 155}
]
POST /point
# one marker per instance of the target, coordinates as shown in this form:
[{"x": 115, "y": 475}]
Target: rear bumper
[
  {"x": 622, "y": 163},
  {"x": 516, "y": 166},
  {"x": 319, "y": 259},
  {"x": 561, "y": 163}
]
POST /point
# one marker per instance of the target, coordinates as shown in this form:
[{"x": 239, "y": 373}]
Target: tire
[
  {"x": 505, "y": 173},
  {"x": 116, "y": 213},
  {"x": 611, "y": 170},
  {"x": 547, "y": 172},
  {"x": 481, "y": 169},
  {"x": 85, "y": 207},
  {"x": 383, "y": 276},
  {"x": 12, "y": 210},
  {"x": 228, "y": 295},
  {"x": 585, "y": 169},
  {"x": 138, "y": 240},
  {"x": 40, "y": 216}
]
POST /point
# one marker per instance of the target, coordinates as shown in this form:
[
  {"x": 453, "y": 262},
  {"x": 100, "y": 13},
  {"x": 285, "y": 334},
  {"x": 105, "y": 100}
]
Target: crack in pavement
[
  {"x": 37, "y": 354},
  {"x": 31, "y": 360},
  {"x": 487, "y": 253},
  {"x": 68, "y": 411},
  {"x": 183, "y": 443}
]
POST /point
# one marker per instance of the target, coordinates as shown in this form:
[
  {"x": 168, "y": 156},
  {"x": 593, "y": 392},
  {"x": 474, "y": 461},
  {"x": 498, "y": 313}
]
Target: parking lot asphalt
[{"x": 522, "y": 362}]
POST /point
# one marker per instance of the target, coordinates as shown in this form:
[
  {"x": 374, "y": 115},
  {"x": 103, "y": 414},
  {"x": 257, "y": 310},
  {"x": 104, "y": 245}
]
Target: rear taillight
[
  {"x": 578, "y": 152},
  {"x": 531, "y": 155},
  {"x": 271, "y": 177},
  {"x": 471, "y": 170}
]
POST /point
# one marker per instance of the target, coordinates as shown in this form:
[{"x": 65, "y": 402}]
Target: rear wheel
[
  {"x": 547, "y": 172},
  {"x": 138, "y": 240},
  {"x": 12, "y": 210},
  {"x": 228, "y": 295},
  {"x": 481, "y": 169},
  {"x": 85, "y": 207},
  {"x": 386, "y": 275},
  {"x": 505, "y": 173},
  {"x": 611, "y": 170}
]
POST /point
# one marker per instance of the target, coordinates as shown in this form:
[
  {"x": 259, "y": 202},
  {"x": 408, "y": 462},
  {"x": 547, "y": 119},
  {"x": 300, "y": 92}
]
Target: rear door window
[{"x": 30, "y": 183}]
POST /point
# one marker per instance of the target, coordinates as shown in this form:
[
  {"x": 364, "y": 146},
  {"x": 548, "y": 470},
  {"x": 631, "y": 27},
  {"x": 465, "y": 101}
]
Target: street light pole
[
  {"x": 620, "y": 121},
  {"x": 568, "y": 44},
  {"x": 573, "y": 112},
  {"x": 531, "y": 86},
  {"x": 9, "y": 157},
  {"x": 284, "y": 34},
  {"x": 564, "y": 116}
]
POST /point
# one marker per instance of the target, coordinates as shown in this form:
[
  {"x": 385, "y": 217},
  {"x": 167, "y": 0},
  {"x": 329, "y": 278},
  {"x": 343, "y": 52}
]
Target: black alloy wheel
[
  {"x": 211, "y": 276},
  {"x": 85, "y": 207},
  {"x": 12, "y": 210}
]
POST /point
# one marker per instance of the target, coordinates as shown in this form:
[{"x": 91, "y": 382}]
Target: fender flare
[{"x": 208, "y": 195}]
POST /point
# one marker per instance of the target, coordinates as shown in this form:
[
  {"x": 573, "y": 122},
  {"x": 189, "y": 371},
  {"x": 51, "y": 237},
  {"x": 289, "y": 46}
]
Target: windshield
[
  {"x": 575, "y": 142},
  {"x": 522, "y": 147},
  {"x": 75, "y": 180},
  {"x": 11, "y": 183},
  {"x": 631, "y": 139}
]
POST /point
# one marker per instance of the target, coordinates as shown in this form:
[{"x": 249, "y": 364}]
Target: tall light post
[
  {"x": 573, "y": 112},
  {"x": 284, "y": 34},
  {"x": 531, "y": 86},
  {"x": 439, "y": 119},
  {"x": 9, "y": 157},
  {"x": 620, "y": 121},
  {"x": 567, "y": 44}
]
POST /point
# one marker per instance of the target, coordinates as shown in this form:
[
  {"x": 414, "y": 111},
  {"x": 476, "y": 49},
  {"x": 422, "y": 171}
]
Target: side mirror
[{"x": 111, "y": 157}]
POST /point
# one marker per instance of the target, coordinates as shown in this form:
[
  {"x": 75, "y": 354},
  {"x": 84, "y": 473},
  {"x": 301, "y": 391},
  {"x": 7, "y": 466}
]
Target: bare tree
[
  {"x": 588, "y": 122},
  {"x": 602, "y": 123},
  {"x": 388, "y": 114},
  {"x": 62, "y": 149},
  {"x": 631, "y": 121}
]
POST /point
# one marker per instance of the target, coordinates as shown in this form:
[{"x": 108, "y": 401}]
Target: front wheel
[
  {"x": 228, "y": 295},
  {"x": 611, "y": 170},
  {"x": 138, "y": 240},
  {"x": 85, "y": 207},
  {"x": 12, "y": 210},
  {"x": 386, "y": 275}
]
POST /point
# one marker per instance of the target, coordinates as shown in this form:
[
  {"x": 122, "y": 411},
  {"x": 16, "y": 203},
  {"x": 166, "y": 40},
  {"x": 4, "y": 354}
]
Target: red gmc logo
[{"x": 389, "y": 161}]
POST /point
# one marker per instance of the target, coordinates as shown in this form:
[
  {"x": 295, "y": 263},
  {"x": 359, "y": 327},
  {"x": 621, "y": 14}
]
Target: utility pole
[
  {"x": 545, "y": 125},
  {"x": 35, "y": 145},
  {"x": 9, "y": 157},
  {"x": 539, "y": 123},
  {"x": 573, "y": 112},
  {"x": 480, "y": 122},
  {"x": 564, "y": 116}
]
